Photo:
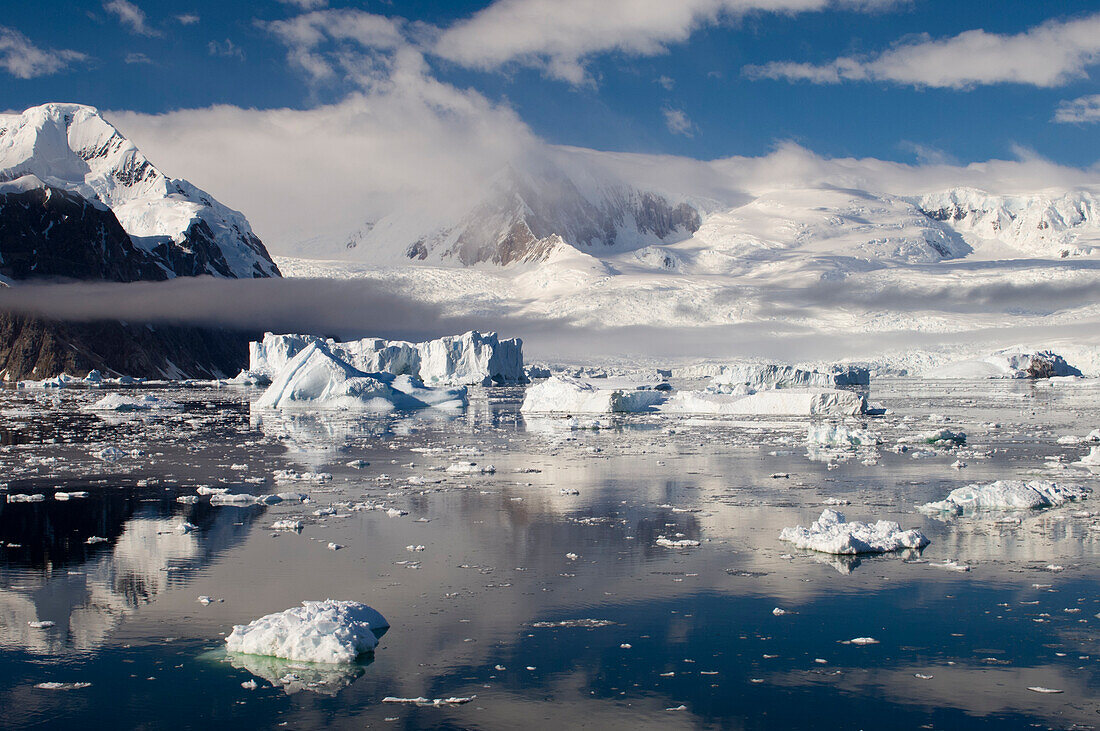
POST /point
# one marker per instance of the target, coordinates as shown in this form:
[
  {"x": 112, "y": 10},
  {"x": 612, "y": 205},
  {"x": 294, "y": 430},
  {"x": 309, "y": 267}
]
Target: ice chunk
[
  {"x": 1092, "y": 459},
  {"x": 832, "y": 534},
  {"x": 1006, "y": 495},
  {"x": 568, "y": 395},
  {"x": 294, "y": 525},
  {"x": 838, "y": 435},
  {"x": 328, "y": 631},
  {"x": 785, "y": 402},
  {"x": 937, "y": 438},
  {"x": 677, "y": 543},
  {"x": 432, "y": 702},
  {"x": 120, "y": 402},
  {"x": 315, "y": 378}
]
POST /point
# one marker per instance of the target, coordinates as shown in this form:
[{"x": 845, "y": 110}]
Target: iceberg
[
  {"x": 832, "y": 534},
  {"x": 1009, "y": 363},
  {"x": 1006, "y": 495},
  {"x": 119, "y": 402},
  {"x": 784, "y": 402},
  {"x": 838, "y": 435},
  {"x": 785, "y": 376},
  {"x": 469, "y": 359},
  {"x": 315, "y": 378},
  {"x": 328, "y": 631},
  {"x": 568, "y": 395}
]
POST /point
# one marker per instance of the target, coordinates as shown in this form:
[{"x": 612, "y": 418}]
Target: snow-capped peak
[{"x": 72, "y": 147}]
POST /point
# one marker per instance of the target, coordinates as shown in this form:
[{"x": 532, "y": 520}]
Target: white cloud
[
  {"x": 320, "y": 42},
  {"x": 225, "y": 49},
  {"x": 666, "y": 83},
  {"x": 677, "y": 122},
  {"x": 138, "y": 58},
  {"x": 1084, "y": 110},
  {"x": 24, "y": 60},
  {"x": 131, "y": 16},
  {"x": 412, "y": 142},
  {"x": 1047, "y": 55},
  {"x": 306, "y": 4},
  {"x": 187, "y": 19},
  {"x": 560, "y": 36}
]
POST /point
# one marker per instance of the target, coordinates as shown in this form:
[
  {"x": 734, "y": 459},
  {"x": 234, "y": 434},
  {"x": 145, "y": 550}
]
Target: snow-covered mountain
[
  {"x": 1060, "y": 223},
  {"x": 525, "y": 216},
  {"x": 72, "y": 150}
]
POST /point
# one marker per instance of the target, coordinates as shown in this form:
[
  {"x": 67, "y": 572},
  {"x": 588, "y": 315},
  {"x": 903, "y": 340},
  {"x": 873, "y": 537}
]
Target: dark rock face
[
  {"x": 33, "y": 348},
  {"x": 50, "y": 233}
]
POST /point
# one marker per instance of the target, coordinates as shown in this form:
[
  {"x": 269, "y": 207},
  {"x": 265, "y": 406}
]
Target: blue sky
[{"x": 709, "y": 88}]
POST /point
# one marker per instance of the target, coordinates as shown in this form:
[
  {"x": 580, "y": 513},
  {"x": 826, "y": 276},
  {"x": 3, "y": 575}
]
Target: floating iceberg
[
  {"x": 785, "y": 376},
  {"x": 328, "y": 631},
  {"x": 1092, "y": 459},
  {"x": 315, "y": 378},
  {"x": 784, "y": 402},
  {"x": 460, "y": 360},
  {"x": 1010, "y": 363},
  {"x": 831, "y": 534},
  {"x": 568, "y": 395},
  {"x": 1006, "y": 495}
]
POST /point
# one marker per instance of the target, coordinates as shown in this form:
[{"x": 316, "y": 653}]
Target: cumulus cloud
[
  {"x": 305, "y": 4},
  {"x": 131, "y": 16},
  {"x": 560, "y": 36},
  {"x": 1047, "y": 55},
  {"x": 24, "y": 60},
  {"x": 677, "y": 122},
  {"x": 187, "y": 19},
  {"x": 225, "y": 49},
  {"x": 1084, "y": 110}
]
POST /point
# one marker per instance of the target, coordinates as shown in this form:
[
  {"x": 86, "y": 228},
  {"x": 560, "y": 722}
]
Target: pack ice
[
  {"x": 469, "y": 359},
  {"x": 316, "y": 378},
  {"x": 832, "y": 534},
  {"x": 1006, "y": 495},
  {"x": 328, "y": 631}
]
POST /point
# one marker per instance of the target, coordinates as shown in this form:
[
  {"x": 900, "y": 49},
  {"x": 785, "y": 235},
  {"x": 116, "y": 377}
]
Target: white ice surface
[
  {"x": 567, "y": 395},
  {"x": 328, "y": 631},
  {"x": 832, "y": 534},
  {"x": 1006, "y": 495}
]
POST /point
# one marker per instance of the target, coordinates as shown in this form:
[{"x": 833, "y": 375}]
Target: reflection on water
[{"x": 491, "y": 580}]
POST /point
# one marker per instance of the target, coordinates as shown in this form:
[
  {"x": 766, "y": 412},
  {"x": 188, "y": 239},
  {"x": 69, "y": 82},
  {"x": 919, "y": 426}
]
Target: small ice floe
[
  {"x": 230, "y": 498},
  {"x": 93, "y": 540},
  {"x": 958, "y": 464},
  {"x": 414, "y": 549},
  {"x": 207, "y": 490},
  {"x": 860, "y": 641},
  {"x": 20, "y": 498},
  {"x": 1041, "y": 689},
  {"x": 677, "y": 542},
  {"x": 938, "y": 438},
  {"x": 396, "y": 512},
  {"x": 431, "y": 702},
  {"x": 922, "y": 676},
  {"x": 109, "y": 454},
  {"x": 832, "y": 534},
  {"x": 185, "y": 527},
  {"x": 328, "y": 631},
  {"x": 1006, "y": 495},
  {"x": 292, "y": 476},
  {"x": 74, "y": 495},
  {"x": 358, "y": 464},
  {"x": 250, "y": 685},
  {"x": 570, "y": 491},
  {"x": 43, "y": 624},
  {"x": 471, "y": 468},
  {"x": 572, "y": 556},
  {"x": 334, "y": 546},
  {"x": 62, "y": 686},
  {"x": 779, "y": 612},
  {"x": 949, "y": 565},
  {"x": 119, "y": 402},
  {"x": 205, "y": 600},
  {"x": 838, "y": 435},
  {"x": 287, "y": 524},
  {"x": 680, "y": 707},
  {"x": 573, "y": 623}
]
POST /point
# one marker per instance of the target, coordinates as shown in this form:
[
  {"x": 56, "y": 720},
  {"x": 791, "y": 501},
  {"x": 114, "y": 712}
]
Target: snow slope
[{"x": 71, "y": 147}]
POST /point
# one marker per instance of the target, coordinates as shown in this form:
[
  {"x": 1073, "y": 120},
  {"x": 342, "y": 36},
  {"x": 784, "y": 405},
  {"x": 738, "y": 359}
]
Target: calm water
[{"x": 554, "y": 610}]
